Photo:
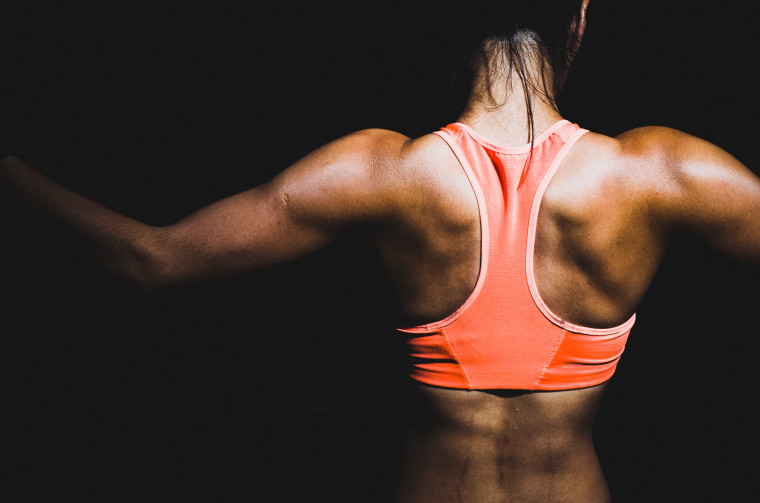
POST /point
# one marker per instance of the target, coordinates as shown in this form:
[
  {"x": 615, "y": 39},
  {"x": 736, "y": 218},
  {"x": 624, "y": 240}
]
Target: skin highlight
[{"x": 419, "y": 206}]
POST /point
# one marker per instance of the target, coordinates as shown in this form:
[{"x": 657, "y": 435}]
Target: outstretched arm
[{"x": 302, "y": 209}]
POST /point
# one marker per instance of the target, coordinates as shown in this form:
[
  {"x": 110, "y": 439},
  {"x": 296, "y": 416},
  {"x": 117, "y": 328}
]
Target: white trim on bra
[{"x": 484, "y": 229}]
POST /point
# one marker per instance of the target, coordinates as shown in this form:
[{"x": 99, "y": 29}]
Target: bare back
[
  {"x": 599, "y": 240},
  {"x": 601, "y": 228}
]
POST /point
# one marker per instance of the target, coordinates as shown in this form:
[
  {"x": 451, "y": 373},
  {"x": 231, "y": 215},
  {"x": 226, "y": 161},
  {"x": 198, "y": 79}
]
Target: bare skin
[
  {"x": 468, "y": 445},
  {"x": 504, "y": 446},
  {"x": 477, "y": 446}
]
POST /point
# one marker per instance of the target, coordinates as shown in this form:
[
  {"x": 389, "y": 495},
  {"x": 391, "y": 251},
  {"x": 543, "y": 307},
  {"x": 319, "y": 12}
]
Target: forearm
[
  {"x": 299, "y": 211},
  {"x": 122, "y": 245}
]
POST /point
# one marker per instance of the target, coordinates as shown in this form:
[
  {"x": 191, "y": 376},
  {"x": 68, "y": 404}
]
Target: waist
[
  {"x": 512, "y": 445},
  {"x": 507, "y": 414}
]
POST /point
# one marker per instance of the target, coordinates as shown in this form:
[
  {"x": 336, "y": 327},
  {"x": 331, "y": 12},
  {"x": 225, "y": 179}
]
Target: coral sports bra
[{"x": 504, "y": 336}]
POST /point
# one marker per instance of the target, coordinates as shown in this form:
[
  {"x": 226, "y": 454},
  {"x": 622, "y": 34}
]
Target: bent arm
[{"x": 297, "y": 212}]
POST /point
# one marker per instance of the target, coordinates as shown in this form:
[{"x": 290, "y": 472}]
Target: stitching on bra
[
  {"x": 450, "y": 350},
  {"x": 550, "y": 359}
]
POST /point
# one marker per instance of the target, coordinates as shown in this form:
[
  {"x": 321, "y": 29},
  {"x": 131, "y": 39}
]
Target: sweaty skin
[
  {"x": 513, "y": 446},
  {"x": 602, "y": 228},
  {"x": 465, "y": 445}
]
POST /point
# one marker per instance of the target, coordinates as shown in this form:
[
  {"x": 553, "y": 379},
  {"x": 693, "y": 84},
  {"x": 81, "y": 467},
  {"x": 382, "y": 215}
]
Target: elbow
[
  {"x": 148, "y": 268},
  {"x": 149, "y": 279}
]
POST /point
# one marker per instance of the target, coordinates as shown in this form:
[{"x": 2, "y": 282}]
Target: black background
[{"x": 287, "y": 384}]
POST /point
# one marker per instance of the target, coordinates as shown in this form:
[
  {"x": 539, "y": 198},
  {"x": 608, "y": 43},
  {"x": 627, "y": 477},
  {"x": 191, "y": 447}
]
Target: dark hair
[
  {"x": 523, "y": 28},
  {"x": 515, "y": 30}
]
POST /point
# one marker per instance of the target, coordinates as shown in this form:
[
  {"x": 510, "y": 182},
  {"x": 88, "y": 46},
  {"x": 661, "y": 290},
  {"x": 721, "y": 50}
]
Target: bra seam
[
  {"x": 452, "y": 354},
  {"x": 550, "y": 359}
]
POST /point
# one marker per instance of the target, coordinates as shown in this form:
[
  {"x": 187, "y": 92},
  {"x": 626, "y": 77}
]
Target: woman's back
[
  {"x": 602, "y": 226},
  {"x": 597, "y": 243},
  {"x": 498, "y": 445},
  {"x": 599, "y": 236}
]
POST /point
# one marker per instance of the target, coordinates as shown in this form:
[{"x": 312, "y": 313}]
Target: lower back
[{"x": 484, "y": 446}]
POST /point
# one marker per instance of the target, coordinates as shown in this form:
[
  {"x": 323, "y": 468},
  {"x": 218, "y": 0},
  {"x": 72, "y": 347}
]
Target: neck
[{"x": 497, "y": 107}]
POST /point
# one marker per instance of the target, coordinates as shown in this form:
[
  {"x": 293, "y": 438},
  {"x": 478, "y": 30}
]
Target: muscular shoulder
[
  {"x": 655, "y": 147},
  {"x": 681, "y": 165},
  {"x": 661, "y": 147},
  {"x": 370, "y": 175},
  {"x": 693, "y": 183},
  {"x": 390, "y": 161},
  {"x": 408, "y": 170},
  {"x": 417, "y": 184},
  {"x": 648, "y": 161},
  {"x": 366, "y": 149},
  {"x": 675, "y": 154},
  {"x": 396, "y": 154},
  {"x": 652, "y": 150},
  {"x": 430, "y": 182},
  {"x": 635, "y": 179}
]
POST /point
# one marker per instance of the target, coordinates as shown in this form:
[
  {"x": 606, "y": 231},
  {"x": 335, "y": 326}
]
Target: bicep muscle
[{"x": 297, "y": 212}]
